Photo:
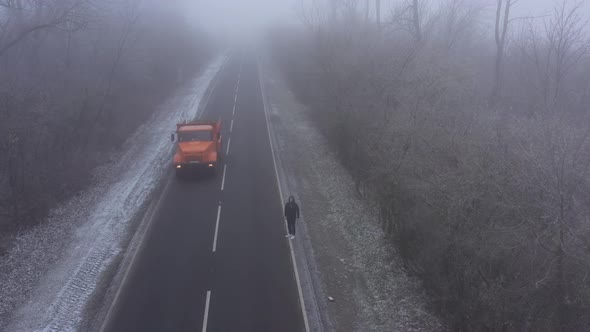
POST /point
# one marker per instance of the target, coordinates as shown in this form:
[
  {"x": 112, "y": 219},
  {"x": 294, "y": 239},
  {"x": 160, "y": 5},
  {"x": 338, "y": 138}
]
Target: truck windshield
[{"x": 192, "y": 136}]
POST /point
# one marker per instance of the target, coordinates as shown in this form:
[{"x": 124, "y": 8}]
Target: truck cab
[{"x": 198, "y": 146}]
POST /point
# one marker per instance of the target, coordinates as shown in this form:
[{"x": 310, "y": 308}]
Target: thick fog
[
  {"x": 236, "y": 19},
  {"x": 471, "y": 140},
  {"x": 465, "y": 131}
]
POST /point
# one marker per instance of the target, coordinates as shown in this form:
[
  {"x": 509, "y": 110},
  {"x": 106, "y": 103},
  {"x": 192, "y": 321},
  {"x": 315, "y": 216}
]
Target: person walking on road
[{"x": 291, "y": 214}]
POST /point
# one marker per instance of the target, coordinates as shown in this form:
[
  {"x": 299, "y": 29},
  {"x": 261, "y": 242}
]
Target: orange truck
[{"x": 198, "y": 146}]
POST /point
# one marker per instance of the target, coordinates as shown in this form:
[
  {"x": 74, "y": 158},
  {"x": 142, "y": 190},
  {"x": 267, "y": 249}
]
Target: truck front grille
[{"x": 194, "y": 158}]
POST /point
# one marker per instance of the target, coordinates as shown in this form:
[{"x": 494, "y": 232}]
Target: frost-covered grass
[
  {"x": 51, "y": 271},
  {"x": 356, "y": 264}
]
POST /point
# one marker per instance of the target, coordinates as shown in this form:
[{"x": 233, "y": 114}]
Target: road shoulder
[
  {"x": 56, "y": 269},
  {"x": 340, "y": 250}
]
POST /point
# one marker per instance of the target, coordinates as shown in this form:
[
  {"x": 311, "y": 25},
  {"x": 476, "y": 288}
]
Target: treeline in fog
[
  {"x": 77, "y": 77},
  {"x": 468, "y": 129}
]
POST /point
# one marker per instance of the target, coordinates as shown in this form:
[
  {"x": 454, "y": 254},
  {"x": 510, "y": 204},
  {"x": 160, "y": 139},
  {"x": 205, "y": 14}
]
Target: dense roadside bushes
[
  {"x": 77, "y": 77},
  {"x": 488, "y": 201}
]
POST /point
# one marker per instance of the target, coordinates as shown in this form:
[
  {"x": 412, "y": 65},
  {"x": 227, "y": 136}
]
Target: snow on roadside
[
  {"x": 51, "y": 272},
  {"x": 356, "y": 264}
]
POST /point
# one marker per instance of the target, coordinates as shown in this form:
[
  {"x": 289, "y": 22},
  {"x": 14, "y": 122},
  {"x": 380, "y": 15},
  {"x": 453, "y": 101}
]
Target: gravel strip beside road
[{"x": 353, "y": 261}]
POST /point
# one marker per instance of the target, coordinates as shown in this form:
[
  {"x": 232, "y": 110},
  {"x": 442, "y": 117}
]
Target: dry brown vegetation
[
  {"x": 76, "y": 79},
  {"x": 486, "y": 198}
]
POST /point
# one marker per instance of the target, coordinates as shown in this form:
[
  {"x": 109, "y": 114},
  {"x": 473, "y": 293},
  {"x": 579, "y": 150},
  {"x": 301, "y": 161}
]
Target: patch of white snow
[{"x": 55, "y": 268}]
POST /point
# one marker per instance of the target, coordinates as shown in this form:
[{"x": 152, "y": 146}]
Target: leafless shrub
[
  {"x": 549, "y": 56},
  {"x": 488, "y": 205},
  {"x": 78, "y": 76}
]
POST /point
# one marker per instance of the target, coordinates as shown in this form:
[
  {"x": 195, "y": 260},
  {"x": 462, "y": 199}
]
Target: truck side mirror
[{"x": 172, "y": 137}]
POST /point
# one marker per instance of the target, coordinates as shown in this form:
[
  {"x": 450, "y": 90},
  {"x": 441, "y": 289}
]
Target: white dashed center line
[
  {"x": 206, "y": 318},
  {"x": 231, "y": 126},
  {"x": 223, "y": 179},
  {"x": 227, "y": 149},
  {"x": 216, "y": 228}
]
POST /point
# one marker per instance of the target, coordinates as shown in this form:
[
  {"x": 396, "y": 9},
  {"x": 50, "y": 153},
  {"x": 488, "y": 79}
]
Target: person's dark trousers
[{"x": 291, "y": 225}]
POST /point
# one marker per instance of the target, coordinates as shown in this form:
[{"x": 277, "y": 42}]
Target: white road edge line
[
  {"x": 296, "y": 271},
  {"x": 223, "y": 179},
  {"x": 236, "y": 97},
  {"x": 234, "y": 111},
  {"x": 227, "y": 149},
  {"x": 149, "y": 216},
  {"x": 231, "y": 126},
  {"x": 216, "y": 228},
  {"x": 206, "y": 317}
]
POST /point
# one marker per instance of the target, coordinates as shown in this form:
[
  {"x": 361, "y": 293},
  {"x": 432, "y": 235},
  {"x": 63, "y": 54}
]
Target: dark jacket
[{"x": 291, "y": 209}]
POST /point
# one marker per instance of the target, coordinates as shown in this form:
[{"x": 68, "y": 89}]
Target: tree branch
[
  {"x": 23, "y": 35},
  {"x": 51, "y": 24}
]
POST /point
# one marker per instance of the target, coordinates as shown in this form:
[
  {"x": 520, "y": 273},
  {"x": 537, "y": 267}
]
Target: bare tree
[
  {"x": 416, "y": 20},
  {"x": 312, "y": 15},
  {"x": 367, "y": 10},
  {"x": 489, "y": 208},
  {"x": 58, "y": 78},
  {"x": 129, "y": 19},
  {"x": 554, "y": 52},
  {"x": 458, "y": 19},
  {"x": 413, "y": 17},
  {"x": 562, "y": 166},
  {"x": 500, "y": 32},
  {"x": 567, "y": 41},
  {"x": 321, "y": 14},
  {"x": 378, "y": 13},
  {"x": 60, "y": 15}
]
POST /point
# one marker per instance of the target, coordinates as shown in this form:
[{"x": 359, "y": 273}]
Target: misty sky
[{"x": 243, "y": 16}]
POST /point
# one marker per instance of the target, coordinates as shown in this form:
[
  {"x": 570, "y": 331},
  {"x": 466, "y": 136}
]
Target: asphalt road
[{"x": 215, "y": 257}]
